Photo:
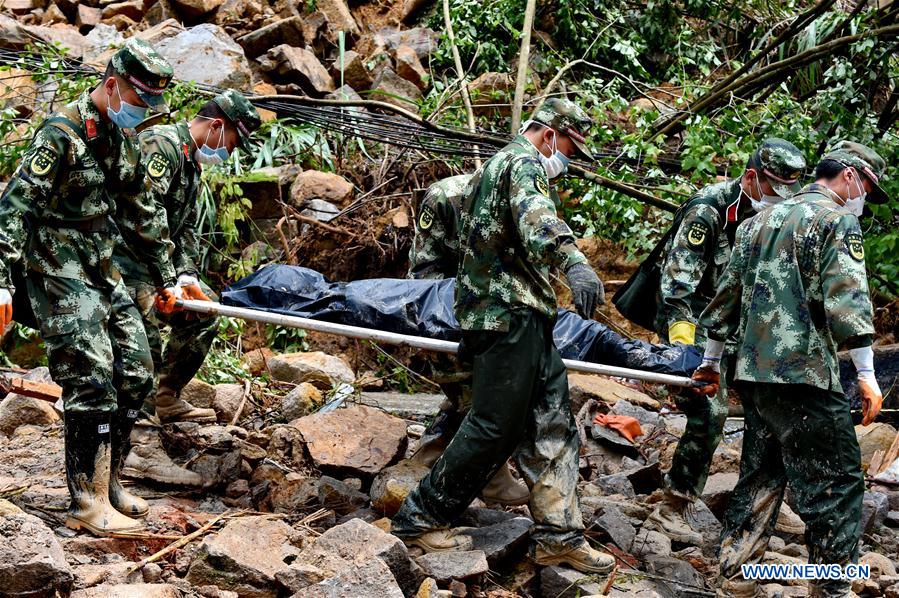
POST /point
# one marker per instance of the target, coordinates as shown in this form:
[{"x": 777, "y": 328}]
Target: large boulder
[
  {"x": 245, "y": 557},
  {"x": 370, "y": 578},
  {"x": 32, "y": 562},
  {"x": 199, "y": 393},
  {"x": 421, "y": 39},
  {"x": 358, "y": 441},
  {"x": 287, "y": 31},
  {"x": 207, "y": 54},
  {"x": 409, "y": 67},
  {"x": 197, "y": 8},
  {"x": 298, "y": 65},
  {"x": 356, "y": 73},
  {"x": 313, "y": 184},
  {"x": 18, "y": 410},
  {"x": 338, "y": 17},
  {"x": 390, "y": 487},
  {"x": 320, "y": 369},
  {"x": 393, "y": 89},
  {"x": 488, "y": 92},
  {"x": 103, "y": 39}
]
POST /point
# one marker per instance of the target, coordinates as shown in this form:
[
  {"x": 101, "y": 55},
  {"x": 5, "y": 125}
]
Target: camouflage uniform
[
  {"x": 510, "y": 237},
  {"x": 56, "y": 214},
  {"x": 691, "y": 266},
  {"x": 795, "y": 290},
  {"x": 435, "y": 247}
]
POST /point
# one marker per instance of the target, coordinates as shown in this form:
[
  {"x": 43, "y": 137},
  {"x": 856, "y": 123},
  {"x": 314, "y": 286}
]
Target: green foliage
[
  {"x": 223, "y": 363},
  {"x": 285, "y": 340}
]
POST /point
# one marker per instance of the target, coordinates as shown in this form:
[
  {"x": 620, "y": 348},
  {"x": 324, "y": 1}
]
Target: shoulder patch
[
  {"x": 540, "y": 184},
  {"x": 157, "y": 165},
  {"x": 42, "y": 161},
  {"x": 855, "y": 246},
  {"x": 697, "y": 234},
  {"x": 426, "y": 219}
]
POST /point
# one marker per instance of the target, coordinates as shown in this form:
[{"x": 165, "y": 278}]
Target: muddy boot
[
  {"x": 170, "y": 407},
  {"x": 88, "y": 461},
  {"x": 121, "y": 499},
  {"x": 442, "y": 540},
  {"x": 429, "y": 450},
  {"x": 739, "y": 588},
  {"x": 582, "y": 557},
  {"x": 149, "y": 461},
  {"x": 788, "y": 522},
  {"x": 504, "y": 489},
  {"x": 669, "y": 518}
]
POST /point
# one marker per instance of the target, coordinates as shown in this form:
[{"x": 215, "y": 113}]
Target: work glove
[
  {"x": 165, "y": 299},
  {"x": 708, "y": 374},
  {"x": 872, "y": 397},
  {"x": 5, "y": 309},
  {"x": 190, "y": 288},
  {"x": 586, "y": 289}
]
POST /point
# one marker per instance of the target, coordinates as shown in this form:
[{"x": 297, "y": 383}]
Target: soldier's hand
[
  {"x": 872, "y": 398},
  {"x": 190, "y": 288},
  {"x": 165, "y": 300},
  {"x": 586, "y": 289},
  {"x": 5, "y": 309},
  {"x": 709, "y": 377}
]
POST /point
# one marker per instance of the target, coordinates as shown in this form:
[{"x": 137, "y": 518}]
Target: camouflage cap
[
  {"x": 866, "y": 161},
  {"x": 567, "y": 118},
  {"x": 782, "y": 163},
  {"x": 240, "y": 112},
  {"x": 146, "y": 70}
]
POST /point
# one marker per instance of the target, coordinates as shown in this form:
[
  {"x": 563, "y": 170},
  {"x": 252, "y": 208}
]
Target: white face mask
[
  {"x": 766, "y": 201},
  {"x": 856, "y": 205},
  {"x": 557, "y": 164}
]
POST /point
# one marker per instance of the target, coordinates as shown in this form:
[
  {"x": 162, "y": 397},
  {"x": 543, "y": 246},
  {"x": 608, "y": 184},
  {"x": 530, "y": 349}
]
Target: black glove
[{"x": 586, "y": 289}]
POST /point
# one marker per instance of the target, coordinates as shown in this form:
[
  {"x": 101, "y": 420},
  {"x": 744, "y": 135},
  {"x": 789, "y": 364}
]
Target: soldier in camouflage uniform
[
  {"x": 435, "y": 255},
  {"x": 510, "y": 238},
  {"x": 56, "y": 214},
  {"x": 795, "y": 289},
  {"x": 691, "y": 264},
  {"x": 173, "y": 155}
]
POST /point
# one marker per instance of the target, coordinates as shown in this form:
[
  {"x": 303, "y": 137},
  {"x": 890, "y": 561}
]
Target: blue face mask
[
  {"x": 127, "y": 116},
  {"x": 210, "y": 156}
]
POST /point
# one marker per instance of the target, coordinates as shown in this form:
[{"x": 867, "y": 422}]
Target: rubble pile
[{"x": 295, "y": 500}]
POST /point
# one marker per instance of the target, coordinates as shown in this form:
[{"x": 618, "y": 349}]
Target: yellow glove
[{"x": 682, "y": 332}]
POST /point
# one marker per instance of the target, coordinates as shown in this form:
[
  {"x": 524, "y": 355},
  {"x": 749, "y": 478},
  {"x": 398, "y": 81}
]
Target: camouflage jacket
[
  {"x": 510, "y": 236},
  {"x": 695, "y": 256},
  {"x": 435, "y": 247},
  {"x": 170, "y": 189},
  {"x": 794, "y": 290},
  {"x": 55, "y": 212}
]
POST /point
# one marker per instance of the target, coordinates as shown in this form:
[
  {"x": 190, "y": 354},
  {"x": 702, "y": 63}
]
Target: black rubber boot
[{"x": 121, "y": 499}]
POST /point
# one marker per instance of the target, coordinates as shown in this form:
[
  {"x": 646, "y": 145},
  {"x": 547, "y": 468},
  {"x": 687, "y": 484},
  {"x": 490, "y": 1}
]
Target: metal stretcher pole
[{"x": 393, "y": 338}]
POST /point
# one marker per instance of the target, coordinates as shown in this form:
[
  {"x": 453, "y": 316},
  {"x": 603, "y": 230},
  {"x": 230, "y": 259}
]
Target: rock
[
  {"x": 428, "y": 589},
  {"x": 795, "y": 550},
  {"x": 300, "y": 401},
  {"x": 32, "y": 562},
  {"x": 493, "y": 88},
  {"x": 776, "y": 544},
  {"x": 87, "y": 17},
  {"x": 227, "y": 401},
  {"x": 355, "y": 71},
  {"x": 679, "y": 574},
  {"x": 13, "y": 35},
  {"x": 164, "y": 29},
  {"x": 590, "y": 386},
  {"x": 345, "y": 93},
  {"x": 133, "y": 9},
  {"x": 132, "y": 590},
  {"x": 391, "y": 486},
  {"x": 446, "y": 566},
  {"x": 320, "y": 369},
  {"x": 319, "y": 209},
  {"x": 411, "y": 8},
  {"x": 18, "y": 410},
  {"x": 263, "y": 188},
  {"x": 197, "y": 8},
  {"x": 880, "y": 565},
  {"x": 19, "y": 91},
  {"x": 340, "y": 497},
  {"x": 103, "y": 39},
  {"x": 297, "y": 492},
  {"x": 876, "y": 437},
  {"x": 206, "y": 54},
  {"x": 356, "y": 542},
  {"x": 245, "y": 556},
  {"x": 717, "y": 491},
  {"x": 615, "y": 484},
  {"x": 422, "y": 40},
  {"x": 53, "y": 14},
  {"x": 415, "y": 406},
  {"x": 67, "y": 37},
  {"x": 298, "y": 576},
  {"x": 300, "y": 66},
  {"x": 287, "y": 31},
  {"x": 313, "y": 184},
  {"x": 644, "y": 478},
  {"x": 338, "y": 17},
  {"x": 875, "y": 507},
  {"x": 617, "y": 527},
  {"x": 562, "y": 582},
  {"x": 199, "y": 393},
  {"x": 650, "y": 542},
  {"x": 256, "y": 361},
  {"x": 409, "y": 67},
  {"x": 369, "y": 578},
  {"x": 357, "y": 440},
  {"x": 503, "y": 540},
  {"x": 393, "y": 89}
]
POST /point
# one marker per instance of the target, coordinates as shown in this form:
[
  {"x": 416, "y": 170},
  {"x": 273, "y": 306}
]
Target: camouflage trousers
[
  {"x": 803, "y": 436},
  {"x": 520, "y": 404},
  {"x": 702, "y": 435},
  {"x": 96, "y": 346},
  {"x": 190, "y": 338}
]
